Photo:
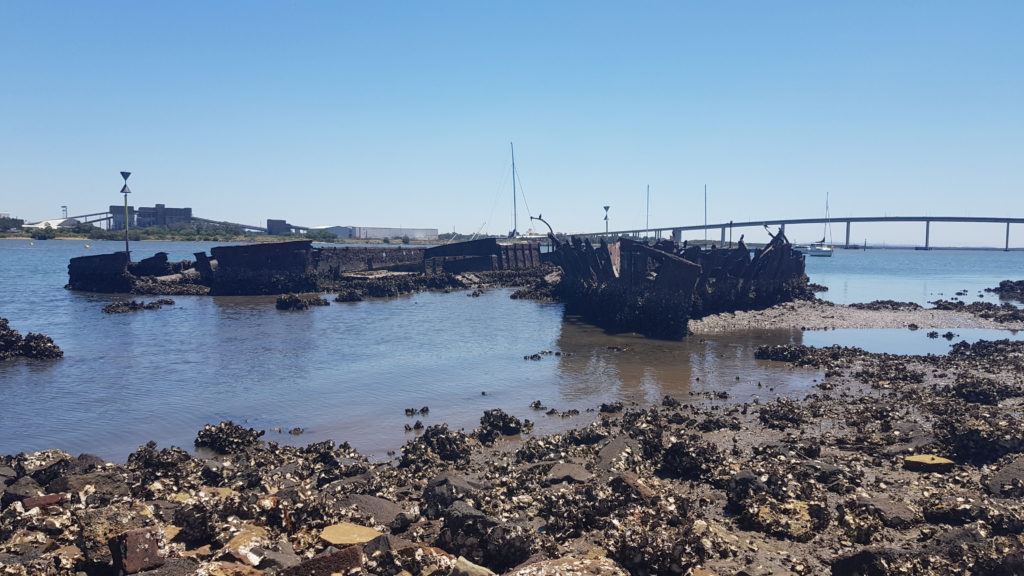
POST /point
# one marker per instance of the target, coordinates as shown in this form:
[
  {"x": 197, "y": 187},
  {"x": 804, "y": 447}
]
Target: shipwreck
[
  {"x": 630, "y": 286},
  {"x": 624, "y": 286},
  {"x": 288, "y": 267}
]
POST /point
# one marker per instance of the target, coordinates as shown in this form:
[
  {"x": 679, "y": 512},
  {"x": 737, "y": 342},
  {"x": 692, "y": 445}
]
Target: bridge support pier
[
  {"x": 677, "y": 235},
  {"x": 722, "y": 243},
  {"x": 847, "y": 234},
  {"x": 1006, "y": 248},
  {"x": 927, "y": 232}
]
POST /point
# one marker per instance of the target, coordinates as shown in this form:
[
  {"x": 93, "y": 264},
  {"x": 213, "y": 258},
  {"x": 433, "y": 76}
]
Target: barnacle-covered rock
[
  {"x": 228, "y": 438},
  {"x": 783, "y": 413},
  {"x": 300, "y": 301},
  {"x": 436, "y": 444},
  {"x": 691, "y": 458},
  {"x": 495, "y": 423},
  {"x": 36, "y": 346}
]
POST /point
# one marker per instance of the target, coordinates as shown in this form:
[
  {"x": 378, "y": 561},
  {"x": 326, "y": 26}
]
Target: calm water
[{"x": 348, "y": 371}]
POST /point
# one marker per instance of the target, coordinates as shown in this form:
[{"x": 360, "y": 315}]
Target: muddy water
[{"x": 347, "y": 372}]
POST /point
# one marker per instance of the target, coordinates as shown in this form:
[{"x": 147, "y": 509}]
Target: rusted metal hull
[{"x": 629, "y": 286}]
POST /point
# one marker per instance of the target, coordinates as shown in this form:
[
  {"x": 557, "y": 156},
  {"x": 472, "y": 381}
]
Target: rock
[
  {"x": 464, "y": 567},
  {"x": 868, "y": 562},
  {"x": 230, "y": 569},
  {"x": 386, "y": 543},
  {"x": 691, "y": 459},
  {"x": 436, "y": 443},
  {"x": 7, "y": 475},
  {"x": 122, "y": 307},
  {"x": 567, "y": 472},
  {"x": 572, "y": 567},
  {"x": 282, "y": 557},
  {"x": 97, "y": 526},
  {"x": 630, "y": 484},
  {"x": 485, "y": 540},
  {"x": 247, "y": 544},
  {"x": 381, "y": 510},
  {"x": 176, "y": 567},
  {"x": 86, "y": 463},
  {"x": 496, "y": 423},
  {"x": 37, "y": 346},
  {"x": 1008, "y": 481},
  {"x": 788, "y": 519},
  {"x": 137, "y": 550},
  {"x": 462, "y": 516},
  {"x": 20, "y": 489},
  {"x": 421, "y": 559},
  {"x": 28, "y": 543},
  {"x": 42, "y": 501},
  {"x": 67, "y": 557},
  {"x": 892, "y": 514},
  {"x": 613, "y": 451},
  {"x": 952, "y": 510},
  {"x": 928, "y": 463},
  {"x": 100, "y": 488},
  {"x": 346, "y": 533},
  {"x": 40, "y": 347},
  {"x": 228, "y": 438},
  {"x": 447, "y": 488},
  {"x": 300, "y": 301},
  {"x": 43, "y": 466},
  {"x": 339, "y": 561}
]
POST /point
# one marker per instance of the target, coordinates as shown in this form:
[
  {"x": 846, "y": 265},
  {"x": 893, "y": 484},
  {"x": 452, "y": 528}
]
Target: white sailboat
[{"x": 821, "y": 248}]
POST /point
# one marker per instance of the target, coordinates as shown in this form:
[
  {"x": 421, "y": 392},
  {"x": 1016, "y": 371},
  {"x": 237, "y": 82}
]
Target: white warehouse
[{"x": 379, "y": 233}]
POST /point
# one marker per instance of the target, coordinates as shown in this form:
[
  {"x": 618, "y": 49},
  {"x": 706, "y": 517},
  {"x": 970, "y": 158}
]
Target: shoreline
[
  {"x": 823, "y": 315},
  {"x": 892, "y": 464}
]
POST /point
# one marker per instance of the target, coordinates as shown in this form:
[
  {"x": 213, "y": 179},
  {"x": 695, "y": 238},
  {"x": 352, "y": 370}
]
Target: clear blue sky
[{"x": 401, "y": 113}]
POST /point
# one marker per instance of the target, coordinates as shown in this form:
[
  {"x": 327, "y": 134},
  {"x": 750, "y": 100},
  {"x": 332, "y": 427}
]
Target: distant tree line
[{"x": 321, "y": 236}]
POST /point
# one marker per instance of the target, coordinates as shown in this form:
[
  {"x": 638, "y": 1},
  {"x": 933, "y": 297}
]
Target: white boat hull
[{"x": 820, "y": 250}]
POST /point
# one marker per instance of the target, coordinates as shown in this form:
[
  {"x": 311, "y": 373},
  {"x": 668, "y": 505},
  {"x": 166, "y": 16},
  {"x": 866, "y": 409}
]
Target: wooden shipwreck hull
[
  {"x": 481, "y": 255},
  {"x": 630, "y": 286},
  {"x": 282, "y": 267}
]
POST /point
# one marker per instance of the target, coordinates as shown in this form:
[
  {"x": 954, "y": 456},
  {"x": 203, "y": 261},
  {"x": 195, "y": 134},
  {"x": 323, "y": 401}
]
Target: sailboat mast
[
  {"x": 648, "y": 223},
  {"x": 828, "y": 222},
  {"x": 515, "y": 210}
]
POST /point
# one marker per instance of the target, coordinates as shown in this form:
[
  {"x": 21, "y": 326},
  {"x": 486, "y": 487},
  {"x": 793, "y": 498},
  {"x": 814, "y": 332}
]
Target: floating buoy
[
  {"x": 31, "y": 243},
  {"x": 86, "y": 245}
]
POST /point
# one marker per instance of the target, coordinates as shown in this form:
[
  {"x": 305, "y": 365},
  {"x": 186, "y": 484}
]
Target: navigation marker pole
[{"x": 126, "y": 191}]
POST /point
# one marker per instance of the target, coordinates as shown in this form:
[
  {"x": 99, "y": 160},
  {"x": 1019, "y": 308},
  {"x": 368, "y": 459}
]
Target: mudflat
[
  {"x": 892, "y": 465},
  {"x": 823, "y": 315}
]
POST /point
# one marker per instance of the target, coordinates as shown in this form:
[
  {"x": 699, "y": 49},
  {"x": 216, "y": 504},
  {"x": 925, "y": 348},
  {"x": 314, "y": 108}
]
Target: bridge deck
[{"x": 676, "y": 231}]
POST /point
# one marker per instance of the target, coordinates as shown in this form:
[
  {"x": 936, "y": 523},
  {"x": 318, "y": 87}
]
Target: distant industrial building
[
  {"x": 56, "y": 223},
  {"x": 379, "y": 233},
  {"x": 280, "y": 228},
  {"x": 161, "y": 215},
  {"x": 146, "y": 217}
]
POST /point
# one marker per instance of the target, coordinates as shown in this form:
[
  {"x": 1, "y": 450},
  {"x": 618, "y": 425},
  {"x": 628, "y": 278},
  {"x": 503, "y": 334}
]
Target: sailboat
[
  {"x": 515, "y": 210},
  {"x": 515, "y": 233},
  {"x": 820, "y": 248}
]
